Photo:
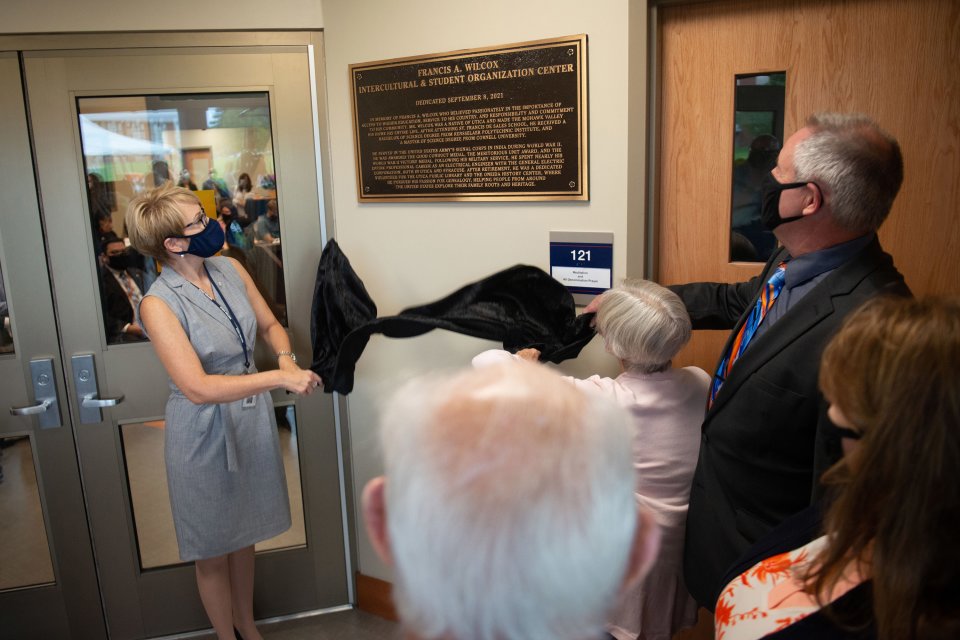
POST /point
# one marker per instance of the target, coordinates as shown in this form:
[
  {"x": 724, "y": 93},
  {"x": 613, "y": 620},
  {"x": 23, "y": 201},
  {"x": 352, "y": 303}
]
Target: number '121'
[{"x": 581, "y": 254}]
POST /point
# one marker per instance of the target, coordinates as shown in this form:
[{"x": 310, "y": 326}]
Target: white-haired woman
[
  {"x": 644, "y": 325},
  {"x": 224, "y": 470}
]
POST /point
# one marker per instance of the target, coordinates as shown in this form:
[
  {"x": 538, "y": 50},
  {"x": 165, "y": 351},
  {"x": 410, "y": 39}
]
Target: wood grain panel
[
  {"x": 375, "y": 596},
  {"x": 896, "y": 61}
]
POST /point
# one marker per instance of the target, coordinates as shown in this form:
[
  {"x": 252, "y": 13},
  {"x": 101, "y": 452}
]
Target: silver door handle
[
  {"x": 91, "y": 401},
  {"x": 85, "y": 380},
  {"x": 47, "y": 408},
  {"x": 31, "y": 409}
]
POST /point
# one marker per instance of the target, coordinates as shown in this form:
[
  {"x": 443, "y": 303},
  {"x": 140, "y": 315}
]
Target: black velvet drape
[{"x": 520, "y": 307}]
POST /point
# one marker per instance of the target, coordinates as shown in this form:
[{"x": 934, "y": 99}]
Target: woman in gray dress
[{"x": 224, "y": 470}]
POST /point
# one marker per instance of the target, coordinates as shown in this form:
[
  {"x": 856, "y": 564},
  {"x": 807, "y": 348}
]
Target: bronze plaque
[{"x": 500, "y": 124}]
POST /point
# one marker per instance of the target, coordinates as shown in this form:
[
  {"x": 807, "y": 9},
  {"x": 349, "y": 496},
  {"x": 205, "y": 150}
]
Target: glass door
[
  {"x": 236, "y": 125},
  {"x": 48, "y": 585}
]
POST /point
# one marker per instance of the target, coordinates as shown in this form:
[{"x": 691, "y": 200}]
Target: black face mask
[
  {"x": 120, "y": 262},
  {"x": 770, "y": 209},
  {"x": 831, "y": 428}
]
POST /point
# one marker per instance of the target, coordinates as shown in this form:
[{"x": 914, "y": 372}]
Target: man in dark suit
[
  {"x": 121, "y": 289},
  {"x": 766, "y": 438}
]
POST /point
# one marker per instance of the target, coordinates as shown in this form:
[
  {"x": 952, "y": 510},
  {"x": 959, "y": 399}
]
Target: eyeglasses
[{"x": 202, "y": 220}]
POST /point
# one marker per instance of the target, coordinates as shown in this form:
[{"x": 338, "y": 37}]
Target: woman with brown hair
[{"x": 887, "y": 562}]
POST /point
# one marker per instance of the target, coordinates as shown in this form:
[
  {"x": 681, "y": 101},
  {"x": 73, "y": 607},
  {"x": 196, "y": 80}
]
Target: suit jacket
[
  {"x": 117, "y": 312},
  {"x": 763, "y": 445}
]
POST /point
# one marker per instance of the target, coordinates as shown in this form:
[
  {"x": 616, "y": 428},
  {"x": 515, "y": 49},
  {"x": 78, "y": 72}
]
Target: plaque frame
[{"x": 571, "y": 138}]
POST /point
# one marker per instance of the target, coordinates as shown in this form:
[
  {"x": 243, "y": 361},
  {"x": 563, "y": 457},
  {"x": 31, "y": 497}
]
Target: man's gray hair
[
  {"x": 643, "y": 324},
  {"x": 857, "y": 164},
  {"x": 510, "y": 505}
]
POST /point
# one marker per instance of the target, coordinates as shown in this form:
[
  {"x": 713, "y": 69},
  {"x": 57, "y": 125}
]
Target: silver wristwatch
[{"x": 292, "y": 355}]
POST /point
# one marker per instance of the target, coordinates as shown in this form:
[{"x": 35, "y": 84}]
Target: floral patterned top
[{"x": 770, "y": 596}]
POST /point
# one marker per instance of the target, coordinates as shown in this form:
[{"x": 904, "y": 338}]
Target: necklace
[{"x": 228, "y": 312}]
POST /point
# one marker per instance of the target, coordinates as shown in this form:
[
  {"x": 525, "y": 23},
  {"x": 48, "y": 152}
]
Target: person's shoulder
[
  {"x": 611, "y": 387},
  {"x": 695, "y": 375},
  {"x": 224, "y": 264},
  {"x": 159, "y": 300},
  {"x": 162, "y": 289},
  {"x": 870, "y": 273}
]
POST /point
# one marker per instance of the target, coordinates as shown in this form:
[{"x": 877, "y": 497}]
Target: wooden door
[
  {"x": 895, "y": 61},
  {"x": 198, "y": 162}
]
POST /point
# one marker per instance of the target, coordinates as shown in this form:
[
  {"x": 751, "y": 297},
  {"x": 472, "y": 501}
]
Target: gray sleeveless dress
[{"x": 224, "y": 469}]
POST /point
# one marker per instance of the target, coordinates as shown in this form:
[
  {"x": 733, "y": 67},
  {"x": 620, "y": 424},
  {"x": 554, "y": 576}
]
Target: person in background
[
  {"x": 186, "y": 181},
  {"x": 749, "y": 178},
  {"x": 215, "y": 182},
  {"x": 267, "y": 227},
  {"x": 227, "y": 213},
  {"x": 159, "y": 175},
  {"x": 122, "y": 286},
  {"x": 241, "y": 194},
  {"x": 98, "y": 197},
  {"x": 507, "y": 506},
  {"x": 224, "y": 471},
  {"x": 644, "y": 325},
  {"x": 765, "y": 440},
  {"x": 884, "y": 563}
]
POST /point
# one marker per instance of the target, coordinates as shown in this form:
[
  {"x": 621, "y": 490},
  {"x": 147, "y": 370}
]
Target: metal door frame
[{"x": 313, "y": 41}]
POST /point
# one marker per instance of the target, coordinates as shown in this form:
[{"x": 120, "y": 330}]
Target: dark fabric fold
[{"x": 520, "y": 307}]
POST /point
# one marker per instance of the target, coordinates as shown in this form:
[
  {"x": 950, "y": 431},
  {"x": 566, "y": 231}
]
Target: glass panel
[
  {"x": 150, "y": 501},
  {"x": 219, "y": 141},
  {"x": 296, "y": 535},
  {"x": 6, "y": 329},
  {"x": 24, "y": 552},
  {"x": 757, "y": 138}
]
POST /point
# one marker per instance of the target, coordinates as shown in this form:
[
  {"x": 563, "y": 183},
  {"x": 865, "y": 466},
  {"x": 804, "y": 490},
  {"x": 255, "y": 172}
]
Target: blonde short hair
[
  {"x": 154, "y": 216},
  {"x": 643, "y": 324}
]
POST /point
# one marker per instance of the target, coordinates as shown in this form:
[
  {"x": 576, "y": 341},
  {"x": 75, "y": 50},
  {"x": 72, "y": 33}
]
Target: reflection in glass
[
  {"x": 219, "y": 141},
  {"x": 757, "y": 139},
  {"x": 6, "y": 329},
  {"x": 24, "y": 552},
  {"x": 150, "y": 501}
]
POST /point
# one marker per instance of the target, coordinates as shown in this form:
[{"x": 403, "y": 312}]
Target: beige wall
[
  {"x": 414, "y": 253},
  {"x": 55, "y": 16}
]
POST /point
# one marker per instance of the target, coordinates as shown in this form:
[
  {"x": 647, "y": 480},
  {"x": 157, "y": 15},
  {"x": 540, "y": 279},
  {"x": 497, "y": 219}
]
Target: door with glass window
[
  {"x": 48, "y": 584},
  {"x": 722, "y": 68},
  {"x": 236, "y": 126}
]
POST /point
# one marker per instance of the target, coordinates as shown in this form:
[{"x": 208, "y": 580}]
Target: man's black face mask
[{"x": 770, "y": 208}]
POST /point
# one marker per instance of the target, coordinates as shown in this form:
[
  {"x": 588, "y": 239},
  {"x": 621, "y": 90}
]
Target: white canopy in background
[{"x": 98, "y": 141}]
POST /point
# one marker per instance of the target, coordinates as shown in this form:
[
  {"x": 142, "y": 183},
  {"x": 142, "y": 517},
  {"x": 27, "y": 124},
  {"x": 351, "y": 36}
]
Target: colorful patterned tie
[{"x": 770, "y": 292}]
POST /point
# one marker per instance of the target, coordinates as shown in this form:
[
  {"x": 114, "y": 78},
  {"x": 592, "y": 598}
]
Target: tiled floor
[{"x": 342, "y": 625}]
